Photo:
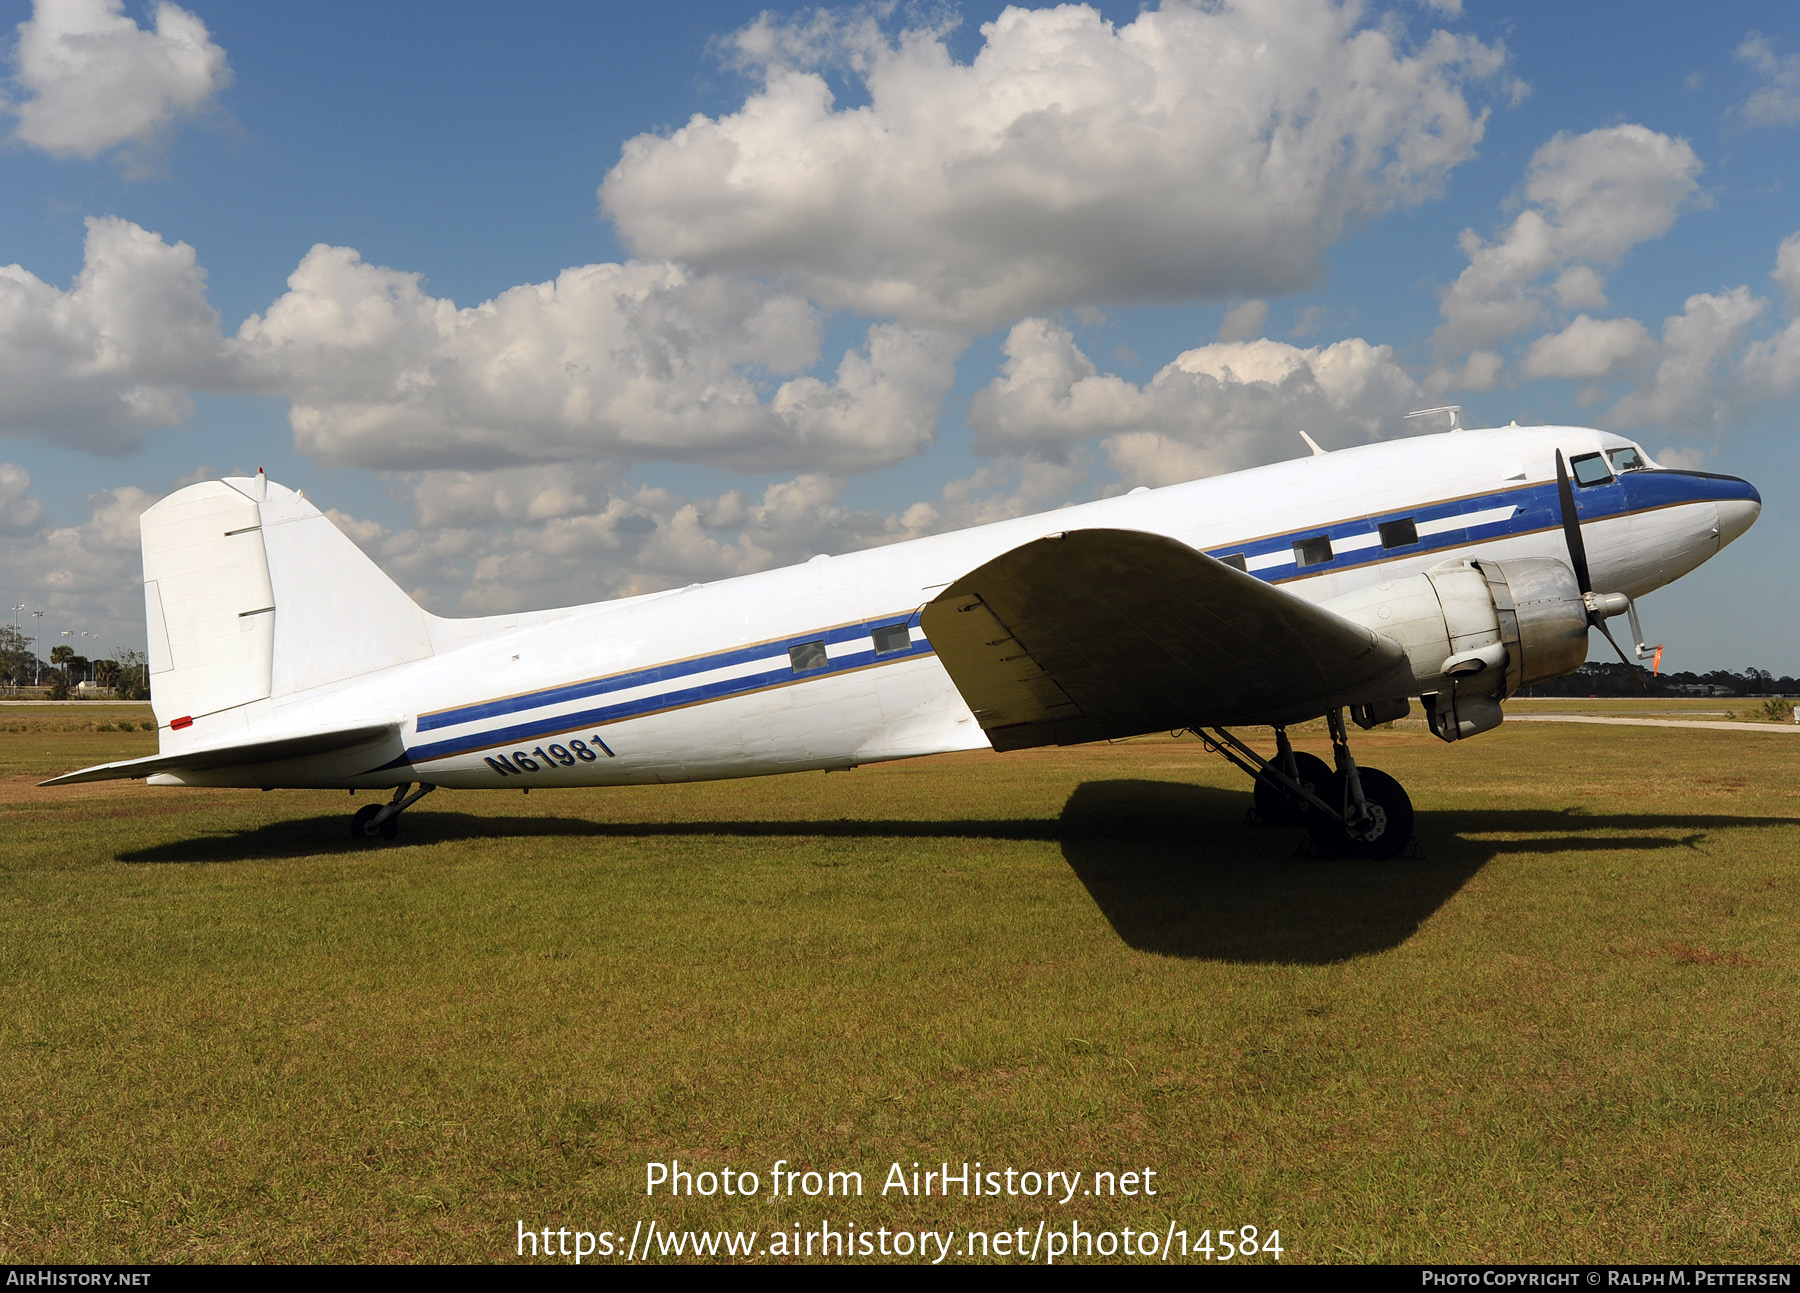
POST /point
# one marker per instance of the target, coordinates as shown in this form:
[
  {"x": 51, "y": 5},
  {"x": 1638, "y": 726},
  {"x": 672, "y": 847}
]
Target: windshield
[
  {"x": 1590, "y": 469},
  {"x": 1627, "y": 460}
]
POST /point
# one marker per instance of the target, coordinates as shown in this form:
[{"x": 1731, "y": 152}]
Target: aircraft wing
[
  {"x": 1095, "y": 634},
  {"x": 273, "y": 750}
]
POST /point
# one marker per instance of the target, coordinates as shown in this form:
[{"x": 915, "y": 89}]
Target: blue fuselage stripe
[
  {"x": 656, "y": 673},
  {"x": 664, "y": 700},
  {"x": 1538, "y": 508}
]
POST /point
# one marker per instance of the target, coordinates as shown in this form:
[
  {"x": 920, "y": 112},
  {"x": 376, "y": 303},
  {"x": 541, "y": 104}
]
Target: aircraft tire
[
  {"x": 1393, "y": 828},
  {"x": 1273, "y": 803},
  {"x": 364, "y": 831}
]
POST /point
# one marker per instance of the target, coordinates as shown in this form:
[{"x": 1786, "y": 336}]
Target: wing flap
[
  {"x": 1094, "y": 634},
  {"x": 272, "y": 750}
]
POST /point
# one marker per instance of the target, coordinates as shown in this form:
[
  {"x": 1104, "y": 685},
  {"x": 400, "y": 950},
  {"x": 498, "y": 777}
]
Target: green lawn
[{"x": 1567, "y": 1031}]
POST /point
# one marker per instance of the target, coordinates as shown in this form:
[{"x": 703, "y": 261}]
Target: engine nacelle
[{"x": 1474, "y": 632}]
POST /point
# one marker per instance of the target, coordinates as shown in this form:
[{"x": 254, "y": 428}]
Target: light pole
[
  {"x": 17, "y": 636},
  {"x": 37, "y": 665}
]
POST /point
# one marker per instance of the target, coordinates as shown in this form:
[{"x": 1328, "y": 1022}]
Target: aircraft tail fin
[
  {"x": 337, "y": 614},
  {"x": 250, "y": 592}
]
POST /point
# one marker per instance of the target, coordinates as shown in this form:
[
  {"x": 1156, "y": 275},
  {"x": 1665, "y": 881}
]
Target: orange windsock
[{"x": 1656, "y": 664}]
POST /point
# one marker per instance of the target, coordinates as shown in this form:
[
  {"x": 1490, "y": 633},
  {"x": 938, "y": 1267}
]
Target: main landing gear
[
  {"x": 374, "y": 822},
  {"x": 1348, "y": 811}
]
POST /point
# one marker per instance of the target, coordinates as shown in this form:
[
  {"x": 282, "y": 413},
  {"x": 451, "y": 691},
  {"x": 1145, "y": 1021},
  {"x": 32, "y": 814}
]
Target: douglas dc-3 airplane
[{"x": 1452, "y": 568}]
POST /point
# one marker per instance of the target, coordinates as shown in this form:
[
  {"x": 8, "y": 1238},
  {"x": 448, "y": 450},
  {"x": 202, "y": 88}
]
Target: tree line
[
  {"x": 127, "y": 675},
  {"x": 1613, "y": 678}
]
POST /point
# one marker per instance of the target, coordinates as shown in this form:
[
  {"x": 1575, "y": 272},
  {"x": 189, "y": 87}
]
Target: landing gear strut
[
  {"x": 1348, "y": 811},
  {"x": 1375, "y": 819},
  {"x": 1276, "y": 804},
  {"x": 374, "y": 822}
]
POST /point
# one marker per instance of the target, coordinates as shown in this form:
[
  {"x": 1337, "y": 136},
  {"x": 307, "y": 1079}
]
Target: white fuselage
[{"x": 723, "y": 679}]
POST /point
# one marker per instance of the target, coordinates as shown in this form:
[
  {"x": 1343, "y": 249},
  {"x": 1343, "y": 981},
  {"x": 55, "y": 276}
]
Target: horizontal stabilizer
[
  {"x": 245, "y": 754},
  {"x": 1096, "y": 634}
]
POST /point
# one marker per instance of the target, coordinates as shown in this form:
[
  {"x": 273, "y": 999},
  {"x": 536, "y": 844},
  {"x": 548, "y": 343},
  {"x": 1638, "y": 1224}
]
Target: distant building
[{"x": 1697, "y": 689}]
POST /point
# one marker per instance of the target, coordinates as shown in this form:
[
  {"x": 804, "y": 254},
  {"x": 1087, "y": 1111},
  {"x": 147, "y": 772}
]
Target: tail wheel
[
  {"x": 1279, "y": 807},
  {"x": 1388, "y": 829}
]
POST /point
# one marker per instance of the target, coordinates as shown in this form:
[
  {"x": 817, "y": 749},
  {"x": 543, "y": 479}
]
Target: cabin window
[
  {"x": 807, "y": 656},
  {"x": 1399, "y": 534},
  {"x": 1235, "y": 561},
  {"x": 1627, "y": 460},
  {"x": 1312, "y": 552},
  {"x": 1590, "y": 469},
  {"x": 890, "y": 638}
]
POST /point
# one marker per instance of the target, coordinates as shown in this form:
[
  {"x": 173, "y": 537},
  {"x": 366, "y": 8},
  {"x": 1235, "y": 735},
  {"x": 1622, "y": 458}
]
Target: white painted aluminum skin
[{"x": 268, "y": 626}]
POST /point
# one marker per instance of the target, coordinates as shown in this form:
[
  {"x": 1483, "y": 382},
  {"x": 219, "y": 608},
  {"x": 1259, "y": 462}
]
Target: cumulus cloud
[
  {"x": 1580, "y": 288},
  {"x": 1776, "y": 102},
  {"x": 20, "y": 513},
  {"x": 94, "y": 79},
  {"x": 1244, "y": 321},
  {"x": 1479, "y": 371},
  {"x": 636, "y": 361},
  {"x": 1194, "y": 152},
  {"x": 1787, "y": 270},
  {"x": 1588, "y": 200},
  {"x": 525, "y": 538},
  {"x": 1214, "y": 408},
  {"x": 110, "y": 359},
  {"x": 1588, "y": 349},
  {"x": 1681, "y": 458},
  {"x": 1770, "y": 367},
  {"x": 520, "y": 538},
  {"x": 1696, "y": 346},
  {"x": 112, "y": 524},
  {"x": 86, "y": 577},
  {"x": 512, "y": 495}
]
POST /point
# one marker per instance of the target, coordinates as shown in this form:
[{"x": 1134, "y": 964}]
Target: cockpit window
[
  {"x": 1627, "y": 460},
  {"x": 1590, "y": 469}
]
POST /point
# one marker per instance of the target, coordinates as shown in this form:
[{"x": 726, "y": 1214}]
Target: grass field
[
  {"x": 1568, "y": 1031},
  {"x": 1696, "y": 708}
]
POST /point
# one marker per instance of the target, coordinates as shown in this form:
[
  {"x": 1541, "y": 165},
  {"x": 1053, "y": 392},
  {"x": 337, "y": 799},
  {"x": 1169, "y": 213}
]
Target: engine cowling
[{"x": 1474, "y": 632}]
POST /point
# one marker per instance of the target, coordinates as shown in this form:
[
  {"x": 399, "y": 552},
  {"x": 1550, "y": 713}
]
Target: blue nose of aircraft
[
  {"x": 1738, "y": 509},
  {"x": 1735, "y": 501}
]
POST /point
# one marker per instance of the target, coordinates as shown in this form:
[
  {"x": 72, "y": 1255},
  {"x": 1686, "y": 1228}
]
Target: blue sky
[{"x": 825, "y": 278}]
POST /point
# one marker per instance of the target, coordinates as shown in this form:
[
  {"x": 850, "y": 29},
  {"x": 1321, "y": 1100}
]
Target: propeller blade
[
  {"x": 1637, "y": 675},
  {"x": 1571, "y": 523}
]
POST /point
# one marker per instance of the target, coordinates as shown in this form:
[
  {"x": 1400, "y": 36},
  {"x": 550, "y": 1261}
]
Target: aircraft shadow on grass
[{"x": 1175, "y": 868}]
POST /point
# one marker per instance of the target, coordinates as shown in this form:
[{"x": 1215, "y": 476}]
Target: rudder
[
  {"x": 337, "y": 614},
  {"x": 208, "y": 602}
]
